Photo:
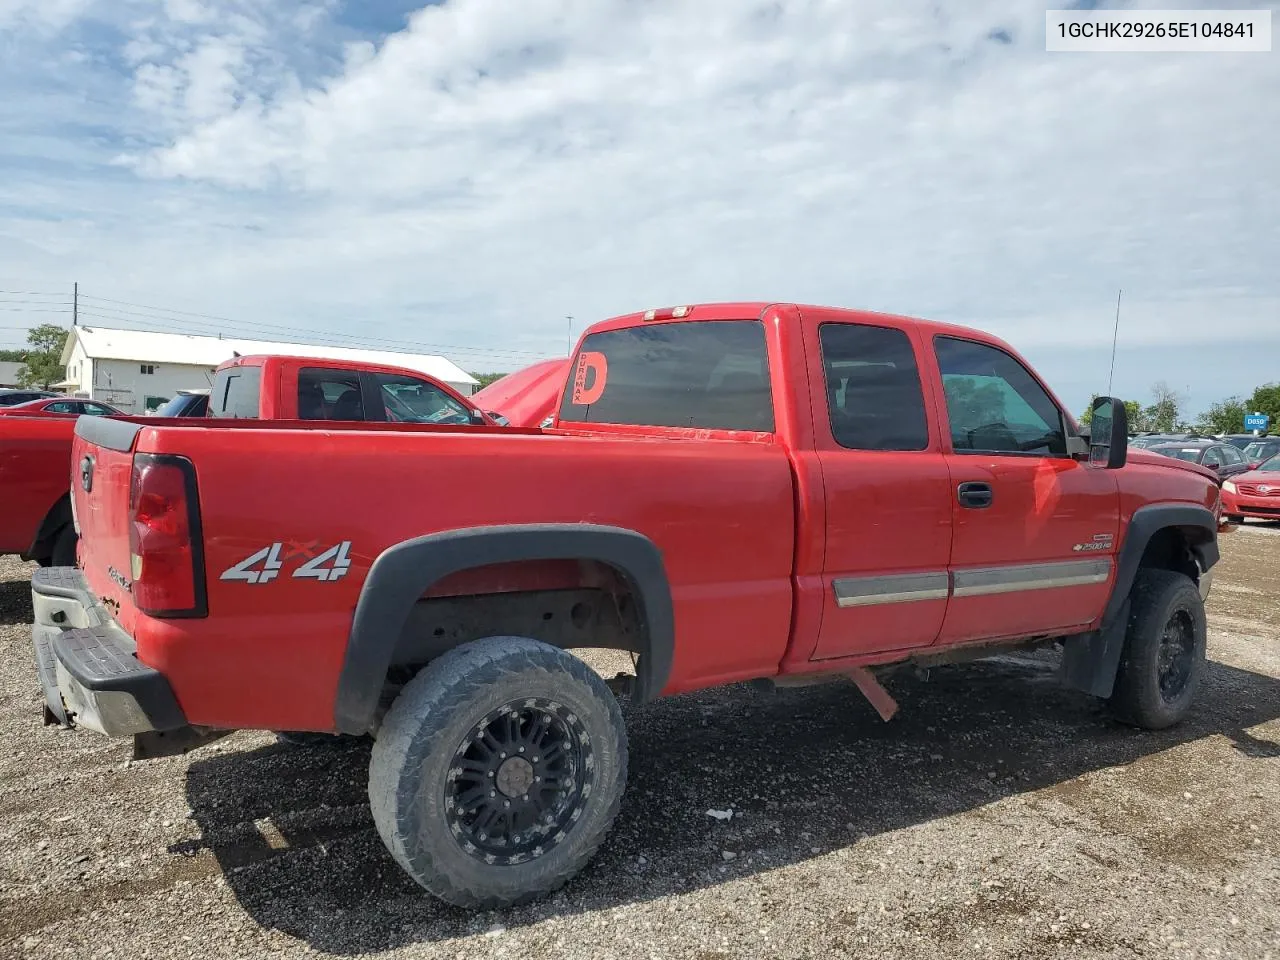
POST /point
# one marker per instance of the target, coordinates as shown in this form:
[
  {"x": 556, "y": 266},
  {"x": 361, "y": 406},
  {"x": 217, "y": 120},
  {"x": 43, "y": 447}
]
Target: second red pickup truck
[
  {"x": 730, "y": 492},
  {"x": 35, "y": 449}
]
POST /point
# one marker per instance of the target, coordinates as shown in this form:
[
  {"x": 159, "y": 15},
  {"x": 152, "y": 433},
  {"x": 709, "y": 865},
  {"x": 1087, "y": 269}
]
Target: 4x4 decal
[{"x": 265, "y": 565}]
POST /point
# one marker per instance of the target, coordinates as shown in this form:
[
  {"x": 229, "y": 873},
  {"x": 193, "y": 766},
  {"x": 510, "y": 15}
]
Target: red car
[
  {"x": 729, "y": 492},
  {"x": 1253, "y": 494},
  {"x": 63, "y": 407}
]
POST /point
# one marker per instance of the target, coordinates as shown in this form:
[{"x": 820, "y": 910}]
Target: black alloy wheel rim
[
  {"x": 519, "y": 781},
  {"x": 1177, "y": 655}
]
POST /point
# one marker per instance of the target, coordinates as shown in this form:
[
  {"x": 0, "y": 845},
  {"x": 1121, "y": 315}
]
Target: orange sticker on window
[{"x": 593, "y": 367}]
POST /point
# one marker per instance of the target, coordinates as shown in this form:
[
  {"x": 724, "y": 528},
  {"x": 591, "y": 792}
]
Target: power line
[{"x": 166, "y": 313}]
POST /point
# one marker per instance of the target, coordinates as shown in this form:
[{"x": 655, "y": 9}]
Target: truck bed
[{"x": 721, "y": 512}]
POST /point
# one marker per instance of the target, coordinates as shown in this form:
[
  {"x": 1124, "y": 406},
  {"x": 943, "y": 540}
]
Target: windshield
[
  {"x": 1269, "y": 466},
  {"x": 1257, "y": 450}
]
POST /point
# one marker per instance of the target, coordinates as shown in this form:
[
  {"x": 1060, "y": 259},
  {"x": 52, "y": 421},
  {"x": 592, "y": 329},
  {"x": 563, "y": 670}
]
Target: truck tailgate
[{"x": 101, "y": 470}]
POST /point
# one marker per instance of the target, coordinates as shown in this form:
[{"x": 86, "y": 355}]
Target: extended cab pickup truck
[
  {"x": 312, "y": 388},
  {"x": 732, "y": 492},
  {"x": 35, "y": 451}
]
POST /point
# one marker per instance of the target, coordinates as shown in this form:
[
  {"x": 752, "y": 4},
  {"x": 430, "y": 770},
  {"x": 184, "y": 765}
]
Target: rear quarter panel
[
  {"x": 35, "y": 472},
  {"x": 269, "y": 654}
]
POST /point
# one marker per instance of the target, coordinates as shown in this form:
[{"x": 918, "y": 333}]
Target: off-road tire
[
  {"x": 1158, "y": 600},
  {"x": 429, "y": 725},
  {"x": 64, "y": 547}
]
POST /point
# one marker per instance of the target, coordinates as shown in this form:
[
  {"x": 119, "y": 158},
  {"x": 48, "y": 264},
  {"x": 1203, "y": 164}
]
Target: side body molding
[{"x": 402, "y": 573}]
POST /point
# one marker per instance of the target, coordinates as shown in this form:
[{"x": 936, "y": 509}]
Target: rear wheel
[
  {"x": 1163, "y": 664},
  {"x": 498, "y": 771}
]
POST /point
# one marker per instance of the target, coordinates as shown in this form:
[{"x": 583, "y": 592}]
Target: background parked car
[
  {"x": 186, "y": 403},
  {"x": 9, "y": 398},
  {"x": 1222, "y": 458},
  {"x": 526, "y": 398},
  {"x": 1238, "y": 440},
  {"x": 1261, "y": 450},
  {"x": 1149, "y": 440},
  {"x": 64, "y": 407}
]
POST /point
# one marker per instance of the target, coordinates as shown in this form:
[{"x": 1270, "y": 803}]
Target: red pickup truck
[
  {"x": 35, "y": 450},
  {"x": 310, "y": 388},
  {"x": 731, "y": 492}
]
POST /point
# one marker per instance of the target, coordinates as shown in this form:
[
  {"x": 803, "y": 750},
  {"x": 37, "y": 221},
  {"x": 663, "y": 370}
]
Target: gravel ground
[{"x": 997, "y": 815}]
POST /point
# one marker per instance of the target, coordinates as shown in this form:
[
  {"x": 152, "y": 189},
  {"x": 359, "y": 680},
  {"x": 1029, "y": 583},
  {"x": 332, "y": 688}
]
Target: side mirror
[{"x": 1109, "y": 433}]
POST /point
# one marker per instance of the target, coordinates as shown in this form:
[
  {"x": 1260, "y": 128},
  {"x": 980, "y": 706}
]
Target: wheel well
[
  {"x": 571, "y": 585},
  {"x": 567, "y": 604},
  {"x": 1171, "y": 548},
  {"x": 59, "y": 516}
]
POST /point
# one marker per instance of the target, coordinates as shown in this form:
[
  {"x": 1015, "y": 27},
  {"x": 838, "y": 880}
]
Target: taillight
[{"x": 165, "y": 550}]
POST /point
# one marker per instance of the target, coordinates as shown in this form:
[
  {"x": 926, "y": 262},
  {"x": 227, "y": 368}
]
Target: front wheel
[
  {"x": 1164, "y": 658},
  {"x": 498, "y": 772}
]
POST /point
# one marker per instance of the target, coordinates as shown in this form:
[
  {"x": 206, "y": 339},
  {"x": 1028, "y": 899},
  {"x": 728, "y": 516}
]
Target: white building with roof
[{"x": 137, "y": 370}]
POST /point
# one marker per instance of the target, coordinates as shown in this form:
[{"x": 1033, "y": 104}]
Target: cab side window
[
  {"x": 1232, "y": 455},
  {"x": 329, "y": 394},
  {"x": 994, "y": 405},
  {"x": 1212, "y": 457},
  {"x": 874, "y": 397},
  {"x": 409, "y": 400}
]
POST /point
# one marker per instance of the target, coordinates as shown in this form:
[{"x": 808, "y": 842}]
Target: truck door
[
  {"x": 887, "y": 489},
  {"x": 1035, "y": 530}
]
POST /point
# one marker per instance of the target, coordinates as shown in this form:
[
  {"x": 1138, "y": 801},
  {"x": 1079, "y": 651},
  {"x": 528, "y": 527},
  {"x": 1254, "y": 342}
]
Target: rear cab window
[
  {"x": 235, "y": 392},
  {"x": 874, "y": 397},
  {"x": 708, "y": 374},
  {"x": 329, "y": 394}
]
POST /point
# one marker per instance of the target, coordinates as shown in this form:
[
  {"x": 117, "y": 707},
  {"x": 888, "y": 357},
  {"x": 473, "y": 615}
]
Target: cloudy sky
[{"x": 462, "y": 176}]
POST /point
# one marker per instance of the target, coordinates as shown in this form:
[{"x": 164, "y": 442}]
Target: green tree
[
  {"x": 1163, "y": 416},
  {"x": 1225, "y": 416},
  {"x": 487, "y": 378},
  {"x": 12, "y": 356},
  {"x": 1132, "y": 409},
  {"x": 1266, "y": 399},
  {"x": 43, "y": 362}
]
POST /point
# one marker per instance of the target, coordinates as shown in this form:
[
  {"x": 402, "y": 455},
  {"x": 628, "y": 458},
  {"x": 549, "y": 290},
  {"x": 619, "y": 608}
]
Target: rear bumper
[{"x": 88, "y": 666}]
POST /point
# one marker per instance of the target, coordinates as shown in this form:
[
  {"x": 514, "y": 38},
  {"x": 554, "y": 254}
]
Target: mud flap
[
  {"x": 1090, "y": 661},
  {"x": 879, "y": 697}
]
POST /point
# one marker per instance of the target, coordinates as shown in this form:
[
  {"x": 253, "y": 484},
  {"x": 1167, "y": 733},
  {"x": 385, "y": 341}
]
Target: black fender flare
[
  {"x": 59, "y": 516},
  {"x": 402, "y": 573},
  {"x": 1090, "y": 661}
]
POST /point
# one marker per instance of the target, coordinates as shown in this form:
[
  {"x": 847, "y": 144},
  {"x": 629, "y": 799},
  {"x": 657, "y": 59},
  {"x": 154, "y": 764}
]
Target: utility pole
[
  {"x": 75, "y": 303},
  {"x": 570, "y": 319}
]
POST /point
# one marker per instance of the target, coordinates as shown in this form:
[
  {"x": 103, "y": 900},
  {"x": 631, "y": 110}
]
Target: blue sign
[{"x": 1256, "y": 421}]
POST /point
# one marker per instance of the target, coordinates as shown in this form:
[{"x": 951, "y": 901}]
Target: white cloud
[{"x": 495, "y": 166}]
